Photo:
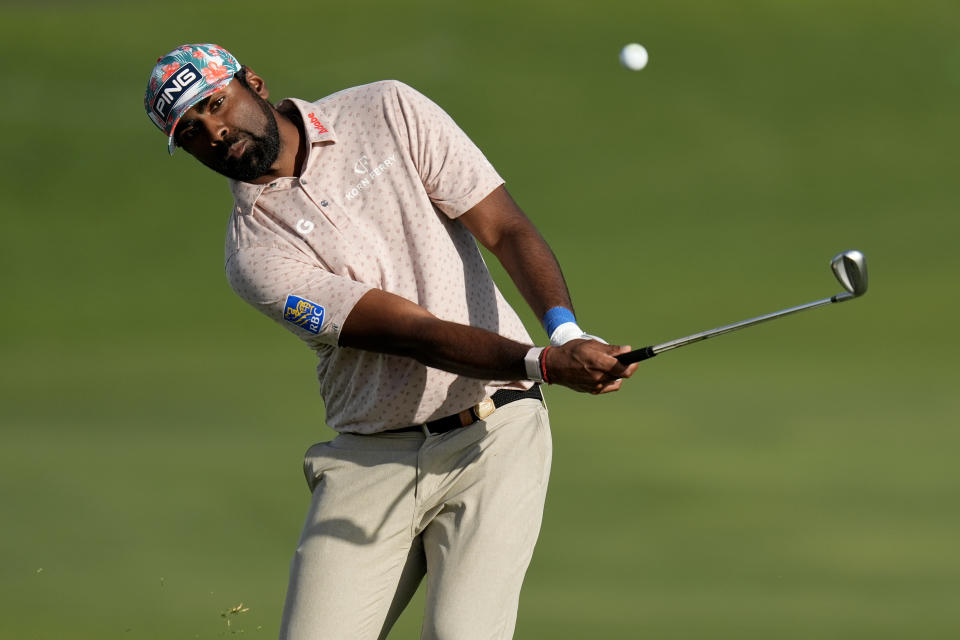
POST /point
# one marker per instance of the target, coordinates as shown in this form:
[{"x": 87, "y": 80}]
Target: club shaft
[
  {"x": 649, "y": 352},
  {"x": 719, "y": 331}
]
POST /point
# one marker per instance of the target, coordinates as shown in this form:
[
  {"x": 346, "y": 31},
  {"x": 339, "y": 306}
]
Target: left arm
[{"x": 502, "y": 227}]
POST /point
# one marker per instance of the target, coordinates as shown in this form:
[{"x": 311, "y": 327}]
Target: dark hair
[{"x": 241, "y": 75}]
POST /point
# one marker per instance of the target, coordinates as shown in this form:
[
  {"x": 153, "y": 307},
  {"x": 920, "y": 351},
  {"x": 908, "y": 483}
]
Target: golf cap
[{"x": 181, "y": 79}]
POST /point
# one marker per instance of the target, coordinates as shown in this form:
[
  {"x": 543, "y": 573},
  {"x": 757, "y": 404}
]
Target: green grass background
[{"x": 794, "y": 481}]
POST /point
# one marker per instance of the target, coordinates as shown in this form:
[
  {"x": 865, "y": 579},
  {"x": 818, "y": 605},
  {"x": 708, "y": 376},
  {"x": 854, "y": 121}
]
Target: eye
[
  {"x": 215, "y": 104},
  {"x": 186, "y": 134}
]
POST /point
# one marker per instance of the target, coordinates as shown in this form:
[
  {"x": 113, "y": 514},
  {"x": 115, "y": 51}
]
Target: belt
[{"x": 478, "y": 411}]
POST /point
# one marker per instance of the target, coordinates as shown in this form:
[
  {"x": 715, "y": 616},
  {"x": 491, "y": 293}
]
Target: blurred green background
[{"x": 794, "y": 481}]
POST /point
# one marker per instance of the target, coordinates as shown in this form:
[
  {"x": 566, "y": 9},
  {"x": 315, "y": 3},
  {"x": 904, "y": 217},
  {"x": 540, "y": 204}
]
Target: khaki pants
[{"x": 463, "y": 507}]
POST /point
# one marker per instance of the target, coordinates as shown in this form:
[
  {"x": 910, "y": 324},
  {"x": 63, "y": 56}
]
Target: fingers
[
  {"x": 589, "y": 366},
  {"x": 608, "y": 388},
  {"x": 625, "y": 371},
  {"x": 613, "y": 368}
]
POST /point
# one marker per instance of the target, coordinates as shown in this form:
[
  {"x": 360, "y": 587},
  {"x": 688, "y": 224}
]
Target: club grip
[{"x": 636, "y": 355}]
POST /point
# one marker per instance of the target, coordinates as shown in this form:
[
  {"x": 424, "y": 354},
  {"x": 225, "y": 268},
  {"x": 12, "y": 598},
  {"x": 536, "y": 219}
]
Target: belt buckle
[{"x": 484, "y": 408}]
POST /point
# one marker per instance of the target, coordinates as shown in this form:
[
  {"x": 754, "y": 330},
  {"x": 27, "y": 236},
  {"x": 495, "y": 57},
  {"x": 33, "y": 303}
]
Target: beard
[{"x": 258, "y": 157}]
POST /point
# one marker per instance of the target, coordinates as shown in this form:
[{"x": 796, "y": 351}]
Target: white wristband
[
  {"x": 565, "y": 333},
  {"x": 531, "y": 363},
  {"x": 570, "y": 331}
]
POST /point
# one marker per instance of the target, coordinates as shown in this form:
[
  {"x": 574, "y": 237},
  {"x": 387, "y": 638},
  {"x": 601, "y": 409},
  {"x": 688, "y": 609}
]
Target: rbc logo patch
[{"x": 303, "y": 313}]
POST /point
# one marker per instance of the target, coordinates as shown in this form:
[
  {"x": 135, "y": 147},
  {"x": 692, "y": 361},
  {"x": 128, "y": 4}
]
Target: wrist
[
  {"x": 555, "y": 317},
  {"x": 532, "y": 364},
  {"x": 543, "y": 365},
  {"x": 565, "y": 333}
]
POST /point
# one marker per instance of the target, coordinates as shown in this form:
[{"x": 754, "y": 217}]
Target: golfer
[{"x": 355, "y": 225}]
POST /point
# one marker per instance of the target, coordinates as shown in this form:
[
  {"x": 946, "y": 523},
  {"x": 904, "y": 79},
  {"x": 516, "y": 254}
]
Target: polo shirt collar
[
  {"x": 317, "y": 128},
  {"x": 315, "y": 123}
]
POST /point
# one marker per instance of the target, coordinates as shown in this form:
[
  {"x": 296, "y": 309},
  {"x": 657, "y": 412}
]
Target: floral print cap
[{"x": 181, "y": 79}]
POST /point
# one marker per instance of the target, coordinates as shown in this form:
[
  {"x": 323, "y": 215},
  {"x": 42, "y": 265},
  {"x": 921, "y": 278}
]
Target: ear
[{"x": 258, "y": 84}]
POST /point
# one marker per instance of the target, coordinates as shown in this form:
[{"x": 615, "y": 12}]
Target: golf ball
[{"x": 634, "y": 56}]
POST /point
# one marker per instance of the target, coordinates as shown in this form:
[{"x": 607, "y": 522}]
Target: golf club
[{"x": 850, "y": 267}]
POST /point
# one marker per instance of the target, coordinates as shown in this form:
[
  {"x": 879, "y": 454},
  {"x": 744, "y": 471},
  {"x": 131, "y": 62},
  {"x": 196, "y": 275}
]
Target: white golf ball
[{"x": 634, "y": 56}]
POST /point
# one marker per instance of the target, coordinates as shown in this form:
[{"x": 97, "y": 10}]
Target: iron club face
[{"x": 850, "y": 267}]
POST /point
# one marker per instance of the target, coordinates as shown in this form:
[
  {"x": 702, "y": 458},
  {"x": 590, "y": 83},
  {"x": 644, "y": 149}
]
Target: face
[{"x": 233, "y": 131}]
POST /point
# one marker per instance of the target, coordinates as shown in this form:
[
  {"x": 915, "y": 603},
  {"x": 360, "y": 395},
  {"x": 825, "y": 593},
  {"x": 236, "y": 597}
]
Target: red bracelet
[{"x": 543, "y": 364}]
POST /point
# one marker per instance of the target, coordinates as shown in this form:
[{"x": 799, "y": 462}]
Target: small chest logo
[
  {"x": 303, "y": 313},
  {"x": 315, "y": 121}
]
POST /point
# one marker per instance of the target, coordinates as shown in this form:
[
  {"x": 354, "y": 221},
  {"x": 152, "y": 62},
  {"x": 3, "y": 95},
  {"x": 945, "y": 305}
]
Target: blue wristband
[{"x": 556, "y": 317}]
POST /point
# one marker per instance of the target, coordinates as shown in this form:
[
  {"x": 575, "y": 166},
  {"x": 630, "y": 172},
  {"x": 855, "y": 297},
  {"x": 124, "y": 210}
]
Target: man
[{"x": 354, "y": 226}]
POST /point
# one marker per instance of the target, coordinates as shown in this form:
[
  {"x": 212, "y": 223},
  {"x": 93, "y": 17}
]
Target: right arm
[
  {"x": 387, "y": 323},
  {"x": 355, "y": 315}
]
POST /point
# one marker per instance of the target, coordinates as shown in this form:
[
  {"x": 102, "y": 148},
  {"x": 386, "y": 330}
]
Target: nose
[{"x": 216, "y": 130}]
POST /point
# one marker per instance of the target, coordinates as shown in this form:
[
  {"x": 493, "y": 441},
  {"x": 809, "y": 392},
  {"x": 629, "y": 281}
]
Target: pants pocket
[{"x": 313, "y": 464}]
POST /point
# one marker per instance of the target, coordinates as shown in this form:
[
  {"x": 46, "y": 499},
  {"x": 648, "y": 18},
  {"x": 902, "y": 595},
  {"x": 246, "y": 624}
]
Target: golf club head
[{"x": 850, "y": 267}]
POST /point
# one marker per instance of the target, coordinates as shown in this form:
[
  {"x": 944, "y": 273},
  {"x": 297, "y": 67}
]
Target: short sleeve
[
  {"x": 454, "y": 172},
  {"x": 309, "y": 301}
]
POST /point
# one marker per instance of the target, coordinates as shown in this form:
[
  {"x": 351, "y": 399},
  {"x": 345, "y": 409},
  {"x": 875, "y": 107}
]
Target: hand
[{"x": 588, "y": 366}]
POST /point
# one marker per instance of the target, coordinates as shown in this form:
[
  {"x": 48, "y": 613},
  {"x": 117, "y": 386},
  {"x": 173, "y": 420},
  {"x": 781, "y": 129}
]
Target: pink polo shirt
[{"x": 376, "y": 205}]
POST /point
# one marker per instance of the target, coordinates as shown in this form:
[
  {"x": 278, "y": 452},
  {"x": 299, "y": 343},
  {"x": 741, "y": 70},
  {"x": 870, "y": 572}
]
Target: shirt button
[{"x": 324, "y": 203}]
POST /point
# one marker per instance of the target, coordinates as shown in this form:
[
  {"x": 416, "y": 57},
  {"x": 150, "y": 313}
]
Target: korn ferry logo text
[{"x": 370, "y": 173}]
